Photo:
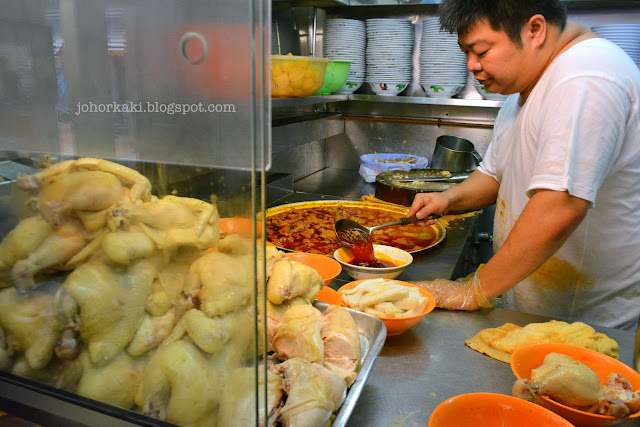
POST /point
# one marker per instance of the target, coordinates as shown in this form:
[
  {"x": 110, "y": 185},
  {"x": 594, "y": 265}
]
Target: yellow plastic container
[{"x": 296, "y": 76}]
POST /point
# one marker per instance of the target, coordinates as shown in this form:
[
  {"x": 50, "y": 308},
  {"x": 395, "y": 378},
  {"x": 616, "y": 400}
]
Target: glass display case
[{"x": 134, "y": 139}]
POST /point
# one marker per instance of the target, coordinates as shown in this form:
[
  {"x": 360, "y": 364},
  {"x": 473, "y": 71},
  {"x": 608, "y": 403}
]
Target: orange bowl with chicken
[
  {"x": 526, "y": 359},
  {"x": 327, "y": 267}
]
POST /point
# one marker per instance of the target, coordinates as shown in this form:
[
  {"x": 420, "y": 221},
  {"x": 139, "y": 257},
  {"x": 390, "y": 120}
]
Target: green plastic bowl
[{"x": 334, "y": 77}]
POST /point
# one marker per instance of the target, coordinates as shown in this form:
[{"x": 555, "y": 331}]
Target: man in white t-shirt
[{"x": 563, "y": 166}]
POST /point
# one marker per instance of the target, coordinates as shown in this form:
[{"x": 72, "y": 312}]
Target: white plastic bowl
[
  {"x": 442, "y": 90},
  {"x": 349, "y": 87},
  {"x": 387, "y": 89},
  {"x": 381, "y": 252}
]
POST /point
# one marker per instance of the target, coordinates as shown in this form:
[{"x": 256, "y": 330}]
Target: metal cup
[{"x": 454, "y": 154}]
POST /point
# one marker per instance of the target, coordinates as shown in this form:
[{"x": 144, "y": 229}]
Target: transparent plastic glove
[{"x": 462, "y": 294}]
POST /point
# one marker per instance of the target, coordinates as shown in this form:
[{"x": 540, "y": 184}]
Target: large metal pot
[{"x": 397, "y": 187}]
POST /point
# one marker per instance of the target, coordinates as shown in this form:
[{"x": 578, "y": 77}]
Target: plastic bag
[{"x": 372, "y": 164}]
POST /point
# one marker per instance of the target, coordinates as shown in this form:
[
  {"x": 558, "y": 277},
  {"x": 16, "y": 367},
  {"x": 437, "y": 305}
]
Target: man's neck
[{"x": 557, "y": 42}]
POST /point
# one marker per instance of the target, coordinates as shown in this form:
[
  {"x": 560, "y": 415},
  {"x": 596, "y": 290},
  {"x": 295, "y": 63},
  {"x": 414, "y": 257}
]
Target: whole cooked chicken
[
  {"x": 574, "y": 384},
  {"x": 178, "y": 221},
  {"x": 221, "y": 282},
  {"x": 35, "y": 247},
  {"x": 120, "y": 296},
  {"x": 110, "y": 303},
  {"x": 115, "y": 382},
  {"x": 238, "y": 403},
  {"x": 179, "y": 385},
  {"x": 85, "y": 184},
  {"x": 25, "y": 238},
  {"x": 313, "y": 393},
  {"x": 31, "y": 325},
  {"x": 291, "y": 279}
]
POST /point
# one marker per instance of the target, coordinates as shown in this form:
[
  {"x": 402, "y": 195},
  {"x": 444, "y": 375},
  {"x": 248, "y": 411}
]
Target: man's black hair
[{"x": 502, "y": 15}]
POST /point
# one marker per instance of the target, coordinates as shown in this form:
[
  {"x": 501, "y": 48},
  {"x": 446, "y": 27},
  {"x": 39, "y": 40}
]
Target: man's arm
[
  {"x": 546, "y": 222},
  {"x": 477, "y": 191}
]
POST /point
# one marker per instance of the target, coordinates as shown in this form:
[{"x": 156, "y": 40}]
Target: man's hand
[
  {"x": 477, "y": 191},
  {"x": 462, "y": 294},
  {"x": 427, "y": 203}
]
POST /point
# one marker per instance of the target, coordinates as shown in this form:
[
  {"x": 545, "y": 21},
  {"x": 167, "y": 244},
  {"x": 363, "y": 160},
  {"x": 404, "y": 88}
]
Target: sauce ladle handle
[{"x": 404, "y": 221}]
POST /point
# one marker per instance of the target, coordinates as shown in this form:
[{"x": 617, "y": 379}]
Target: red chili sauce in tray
[{"x": 311, "y": 229}]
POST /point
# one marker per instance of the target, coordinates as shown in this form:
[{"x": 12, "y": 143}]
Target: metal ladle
[{"x": 349, "y": 224}]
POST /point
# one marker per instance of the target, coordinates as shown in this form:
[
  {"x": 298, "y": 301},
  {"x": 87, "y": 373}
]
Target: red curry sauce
[{"x": 311, "y": 229}]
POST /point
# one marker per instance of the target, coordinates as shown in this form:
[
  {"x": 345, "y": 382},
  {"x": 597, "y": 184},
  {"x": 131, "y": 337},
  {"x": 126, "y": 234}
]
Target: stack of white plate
[
  {"x": 627, "y": 36},
  {"x": 443, "y": 67},
  {"x": 389, "y": 52},
  {"x": 345, "y": 40}
]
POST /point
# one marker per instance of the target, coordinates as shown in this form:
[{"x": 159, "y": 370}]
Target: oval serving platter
[{"x": 296, "y": 232}]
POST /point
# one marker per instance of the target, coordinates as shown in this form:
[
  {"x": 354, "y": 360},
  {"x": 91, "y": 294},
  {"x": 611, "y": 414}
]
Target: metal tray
[
  {"x": 25, "y": 398},
  {"x": 372, "y": 335},
  {"x": 438, "y": 227}
]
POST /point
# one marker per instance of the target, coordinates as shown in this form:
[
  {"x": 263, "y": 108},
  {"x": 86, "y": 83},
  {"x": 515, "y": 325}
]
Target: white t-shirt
[{"x": 579, "y": 131}]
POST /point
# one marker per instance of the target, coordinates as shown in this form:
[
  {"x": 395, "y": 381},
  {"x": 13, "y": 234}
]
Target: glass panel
[
  {"x": 133, "y": 145},
  {"x": 151, "y": 80}
]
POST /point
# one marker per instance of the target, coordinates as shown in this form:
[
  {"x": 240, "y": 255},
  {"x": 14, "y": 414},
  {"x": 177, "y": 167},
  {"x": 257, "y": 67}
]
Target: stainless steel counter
[
  {"x": 418, "y": 370},
  {"x": 446, "y": 260}
]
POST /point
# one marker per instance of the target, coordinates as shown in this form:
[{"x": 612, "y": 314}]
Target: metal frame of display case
[{"x": 68, "y": 51}]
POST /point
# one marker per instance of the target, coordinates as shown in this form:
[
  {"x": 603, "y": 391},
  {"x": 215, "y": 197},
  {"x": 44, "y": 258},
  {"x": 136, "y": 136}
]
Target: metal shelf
[
  {"x": 310, "y": 100},
  {"x": 571, "y": 4},
  {"x": 429, "y": 101},
  {"x": 319, "y": 100}
]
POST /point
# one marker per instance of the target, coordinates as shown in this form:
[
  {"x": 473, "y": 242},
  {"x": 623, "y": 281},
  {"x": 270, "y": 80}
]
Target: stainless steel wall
[{"x": 382, "y": 127}]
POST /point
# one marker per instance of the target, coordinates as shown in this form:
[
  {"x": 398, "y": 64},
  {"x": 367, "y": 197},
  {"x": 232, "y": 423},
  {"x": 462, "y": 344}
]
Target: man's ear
[{"x": 534, "y": 31}]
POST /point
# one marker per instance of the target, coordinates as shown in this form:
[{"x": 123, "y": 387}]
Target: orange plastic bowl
[
  {"x": 529, "y": 357},
  {"x": 491, "y": 409},
  {"x": 328, "y": 295},
  {"x": 396, "y": 326},
  {"x": 238, "y": 225},
  {"x": 328, "y": 267}
]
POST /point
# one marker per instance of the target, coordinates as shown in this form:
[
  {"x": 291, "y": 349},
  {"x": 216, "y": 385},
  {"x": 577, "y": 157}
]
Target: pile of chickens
[
  {"x": 114, "y": 294},
  {"x": 574, "y": 384}
]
